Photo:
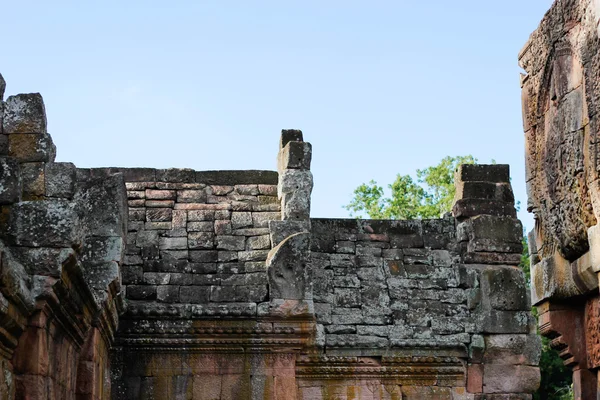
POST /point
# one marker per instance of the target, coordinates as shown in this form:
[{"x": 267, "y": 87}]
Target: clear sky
[{"x": 378, "y": 87}]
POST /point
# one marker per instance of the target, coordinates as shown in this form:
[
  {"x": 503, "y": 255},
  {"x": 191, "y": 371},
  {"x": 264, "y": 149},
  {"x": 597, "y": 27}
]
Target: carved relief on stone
[
  {"x": 557, "y": 160},
  {"x": 592, "y": 336}
]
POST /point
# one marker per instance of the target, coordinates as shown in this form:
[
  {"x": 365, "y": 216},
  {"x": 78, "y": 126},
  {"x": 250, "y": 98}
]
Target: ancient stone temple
[
  {"x": 141, "y": 283},
  {"x": 561, "y": 117}
]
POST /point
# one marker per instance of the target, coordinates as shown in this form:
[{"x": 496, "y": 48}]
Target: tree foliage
[{"x": 429, "y": 197}]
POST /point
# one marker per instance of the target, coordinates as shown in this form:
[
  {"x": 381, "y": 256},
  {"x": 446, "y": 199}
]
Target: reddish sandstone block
[
  {"x": 32, "y": 356},
  {"x": 285, "y": 387},
  {"x": 30, "y": 387},
  {"x": 475, "y": 378}
]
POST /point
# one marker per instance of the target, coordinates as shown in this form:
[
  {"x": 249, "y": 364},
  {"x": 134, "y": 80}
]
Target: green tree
[{"x": 430, "y": 197}]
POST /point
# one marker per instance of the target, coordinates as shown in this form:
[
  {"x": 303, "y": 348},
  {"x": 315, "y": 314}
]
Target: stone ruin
[
  {"x": 142, "y": 283},
  {"x": 561, "y": 118}
]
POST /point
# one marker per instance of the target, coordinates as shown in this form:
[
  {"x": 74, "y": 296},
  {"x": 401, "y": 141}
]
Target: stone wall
[
  {"x": 61, "y": 243},
  {"x": 139, "y": 283},
  {"x": 561, "y": 105}
]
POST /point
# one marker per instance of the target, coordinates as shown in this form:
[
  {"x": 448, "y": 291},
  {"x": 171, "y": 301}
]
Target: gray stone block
[
  {"x": 506, "y": 289},
  {"x": 31, "y": 147},
  {"x": 43, "y": 261},
  {"x": 497, "y": 173},
  {"x": 289, "y": 135},
  {"x": 200, "y": 240},
  {"x": 295, "y": 155},
  {"x": 24, "y": 113},
  {"x": 141, "y": 292},
  {"x": 2, "y": 88},
  {"x": 102, "y": 249},
  {"x": 33, "y": 180},
  {"x": 222, "y": 294},
  {"x": 102, "y": 205},
  {"x": 44, "y": 224},
  {"x": 10, "y": 181},
  {"x": 194, "y": 294},
  {"x": 279, "y": 230},
  {"x": 60, "y": 180},
  {"x": 512, "y": 349},
  {"x": 3, "y": 138},
  {"x": 231, "y": 242},
  {"x": 287, "y": 266}
]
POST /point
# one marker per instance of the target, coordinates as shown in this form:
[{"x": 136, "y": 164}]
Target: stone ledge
[{"x": 185, "y": 175}]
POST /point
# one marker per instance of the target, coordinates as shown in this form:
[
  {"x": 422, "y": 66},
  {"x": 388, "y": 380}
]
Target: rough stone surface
[
  {"x": 129, "y": 283},
  {"x": 24, "y": 113},
  {"x": 10, "y": 181},
  {"x": 561, "y": 104}
]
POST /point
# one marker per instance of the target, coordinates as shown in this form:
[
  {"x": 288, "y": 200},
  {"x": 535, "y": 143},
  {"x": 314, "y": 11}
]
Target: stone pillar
[
  {"x": 288, "y": 263},
  {"x": 503, "y": 357}
]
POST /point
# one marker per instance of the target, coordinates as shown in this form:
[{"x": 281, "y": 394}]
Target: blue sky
[{"x": 378, "y": 87}]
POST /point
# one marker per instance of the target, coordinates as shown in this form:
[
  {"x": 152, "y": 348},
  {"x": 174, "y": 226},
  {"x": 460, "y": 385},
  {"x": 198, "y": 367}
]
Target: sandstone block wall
[{"x": 140, "y": 283}]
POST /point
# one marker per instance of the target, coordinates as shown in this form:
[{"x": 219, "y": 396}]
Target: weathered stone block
[
  {"x": 44, "y": 224},
  {"x": 472, "y": 207},
  {"x": 102, "y": 249},
  {"x": 167, "y": 293},
  {"x": 222, "y": 294},
  {"x": 506, "y": 288},
  {"x": 102, "y": 205},
  {"x": 156, "y": 278},
  {"x": 3, "y": 138},
  {"x": 24, "y": 113},
  {"x": 200, "y": 226},
  {"x": 494, "y": 321},
  {"x": 194, "y": 294},
  {"x": 253, "y": 255},
  {"x": 512, "y": 349},
  {"x": 294, "y": 180},
  {"x": 132, "y": 275},
  {"x": 10, "y": 181},
  {"x": 296, "y": 205},
  {"x": 201, "y": 215},
  {"x": 251, "y": 293},
  {"x": 173, "y": 243},
  {"x": 31, "y": 147},
  {"x": 495, "y": 229},
  {"x": 241, "y": 219},
  {"x": 33, "y": 180},
  {"x": 295, "y": 155},
  {"x": 287, "y": 266},
  {"x": 141, "y": 292},
  {"x": 43, "y": 261},
  {"x": 204, "y": 256},
  {"x": 230, "y": 242},
  {"x": 180, "y": 175},
  {"x": 261, "y": 220},
  {"x": 259, "y": 242},
  {"x": 200, "y": 240},
  {"x": 191, "y": 196},
  {"x": 181, "y": 279},
  {"x": 2, "y": 88},
  {"x": 60, "y": 180},
  {"x": 510, "y": 379},
  {"x": 497, "y": 173},
  {"x": 289, "y": 135}
]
